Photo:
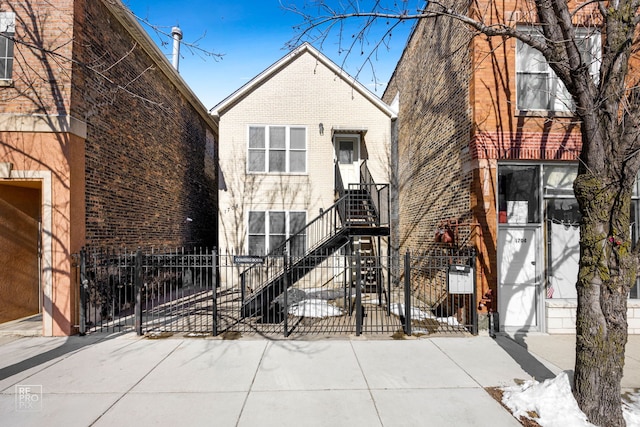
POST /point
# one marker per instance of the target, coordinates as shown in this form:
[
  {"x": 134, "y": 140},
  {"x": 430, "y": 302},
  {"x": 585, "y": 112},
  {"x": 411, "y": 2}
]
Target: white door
[
  {"x": 348, "y": 155},
  {"x": 564, "y": 251},
  {"x": 519, "y": 278}
]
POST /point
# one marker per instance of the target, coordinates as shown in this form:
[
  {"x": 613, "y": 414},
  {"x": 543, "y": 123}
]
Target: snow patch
[
  {"x": 553, "y": 402},
  {"x": 417, "y": 314},
  {"x": 314, "y": 308}
]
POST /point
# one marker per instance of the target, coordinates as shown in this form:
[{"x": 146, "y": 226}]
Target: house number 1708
[{"x": 521, "y": 240}]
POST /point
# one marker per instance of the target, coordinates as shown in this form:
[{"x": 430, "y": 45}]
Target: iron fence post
[
  {"x": 407, "y": 293},
  {"x": 359, "y": 315},
  {"x": 474, "y": 300},
  {"x": 389, "y": 261},
  {"x": 84, "y": 284},
  {"x": 285, "y": 296},
  {"x": 243, "y": 285},
  {"x": 138, "y": 292},
  {"x": 214, "y": 291}
]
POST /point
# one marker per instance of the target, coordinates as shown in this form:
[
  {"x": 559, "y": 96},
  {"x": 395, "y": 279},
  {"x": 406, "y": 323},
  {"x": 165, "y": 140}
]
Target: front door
[
  {"x": 348, "y": 155},
  {"x": 20, "y": 206},
  {"x": 519, "y": 278}
]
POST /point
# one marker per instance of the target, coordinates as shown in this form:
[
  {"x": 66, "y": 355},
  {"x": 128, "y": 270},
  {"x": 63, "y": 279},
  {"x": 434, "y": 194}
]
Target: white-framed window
[
  {"x": 277, "y": 149},
  {"x": 7, "y": 32},
  {"x": 269, "y": 229},
  {"x": 537, "y": 86}
]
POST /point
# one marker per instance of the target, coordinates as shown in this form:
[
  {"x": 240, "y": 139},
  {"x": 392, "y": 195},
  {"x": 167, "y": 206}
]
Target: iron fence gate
[{"x": 206, "y": 293}]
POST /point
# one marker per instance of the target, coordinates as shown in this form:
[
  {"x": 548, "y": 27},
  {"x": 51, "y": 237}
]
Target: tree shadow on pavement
[
  {"x": 70, "y": 345},
  {"x": 517, "y": 349}
]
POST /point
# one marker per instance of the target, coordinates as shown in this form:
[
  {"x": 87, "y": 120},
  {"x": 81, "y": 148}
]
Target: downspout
[{"x": 394, "y": 216}]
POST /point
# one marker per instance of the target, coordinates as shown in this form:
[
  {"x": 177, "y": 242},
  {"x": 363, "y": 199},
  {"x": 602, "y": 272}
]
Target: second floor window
[
  {"x": 537, "y": 86},
  {"x": 277, "y": 149},
  {"x": 7, "y": 32}
]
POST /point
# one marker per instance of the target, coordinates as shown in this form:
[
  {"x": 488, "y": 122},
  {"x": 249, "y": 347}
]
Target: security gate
[{"x": 205, "y": 293}]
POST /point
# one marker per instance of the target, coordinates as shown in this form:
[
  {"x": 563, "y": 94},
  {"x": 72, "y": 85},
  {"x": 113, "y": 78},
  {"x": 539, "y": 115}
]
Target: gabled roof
[{"x": 283, "y": 63}]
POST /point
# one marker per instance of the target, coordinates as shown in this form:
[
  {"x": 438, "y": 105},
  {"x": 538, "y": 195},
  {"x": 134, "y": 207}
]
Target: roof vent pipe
[{"x": 176, "y": 33}]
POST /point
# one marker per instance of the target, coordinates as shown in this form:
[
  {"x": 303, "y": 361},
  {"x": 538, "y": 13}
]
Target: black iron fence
[
  {"x": 170, "y": 290},
  {"x": 206, "y": 293},
  {"x": 439, "y": 291}
]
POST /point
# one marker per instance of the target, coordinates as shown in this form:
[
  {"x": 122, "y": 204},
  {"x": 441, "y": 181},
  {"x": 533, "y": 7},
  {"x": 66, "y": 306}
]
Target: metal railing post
[
  {"x": 138, "y": 292},
  {"x": 407, "y": 293},
  {"x": 214, "y": 292},
  {"x": 389, "y": 278},
  {"x": 474, "y": 297},
  {"x": 84, "y": 285},
  {"x": 359, "y": 316},
  {"x": 285, "y": 295}
]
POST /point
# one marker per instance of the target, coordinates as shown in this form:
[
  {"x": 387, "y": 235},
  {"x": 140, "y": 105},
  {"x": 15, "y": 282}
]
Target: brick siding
[
  {"x": 41, "y": 83},
  {"x": 145, "y": 156},
  {"x": 433, "y": 81},
  {"x": 457, "y": 119},
  {"x": 146, "y": 145}
]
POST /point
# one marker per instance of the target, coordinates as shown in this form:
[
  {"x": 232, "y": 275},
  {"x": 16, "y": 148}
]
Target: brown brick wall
[
  {"x": 513, "y": 134},
  {"x": 145, "y": 149},
  {"x": 146, "y": 143},
  {"x": 41, "y": 83},
  {"x": 433, "y": 80},
  {"x": 458, "y": 93}
]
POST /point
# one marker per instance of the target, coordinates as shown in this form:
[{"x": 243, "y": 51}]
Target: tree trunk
[{"x": 607, "y": 270}]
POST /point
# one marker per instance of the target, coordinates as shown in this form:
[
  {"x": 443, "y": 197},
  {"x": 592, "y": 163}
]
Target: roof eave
[
  {"x": 131, "y": 24},
  {"x": 282, "y": 62}
]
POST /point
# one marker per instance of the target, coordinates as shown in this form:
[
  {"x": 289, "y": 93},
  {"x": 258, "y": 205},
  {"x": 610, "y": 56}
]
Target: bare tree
[{"x": 606, "y": 105}]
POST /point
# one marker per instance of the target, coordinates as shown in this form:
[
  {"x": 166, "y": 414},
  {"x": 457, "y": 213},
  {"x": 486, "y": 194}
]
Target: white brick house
[{"x": 280, "y": 137}]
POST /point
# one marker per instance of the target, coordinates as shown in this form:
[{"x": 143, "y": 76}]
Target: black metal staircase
[{"x": 361, "y": 210}]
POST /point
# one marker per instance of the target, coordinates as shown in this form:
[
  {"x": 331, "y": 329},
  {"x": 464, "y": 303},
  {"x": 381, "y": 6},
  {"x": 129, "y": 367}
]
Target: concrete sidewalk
[{"x": 128, "y": 380}]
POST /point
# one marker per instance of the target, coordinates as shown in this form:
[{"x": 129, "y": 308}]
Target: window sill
[
  {"x": 279, "y": 173},
  {"x": 6, "y": 83},
  {"x": 544, "y": 113}
]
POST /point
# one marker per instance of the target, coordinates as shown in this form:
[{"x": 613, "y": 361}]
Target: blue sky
[{"x": 251, "y": 35}]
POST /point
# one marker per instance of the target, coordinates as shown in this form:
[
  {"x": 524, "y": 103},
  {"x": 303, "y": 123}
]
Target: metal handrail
[
  {"x": 352, "y": 209},
  {"x": 325, "y": 226},
  {"x": 379, "y": 194}
]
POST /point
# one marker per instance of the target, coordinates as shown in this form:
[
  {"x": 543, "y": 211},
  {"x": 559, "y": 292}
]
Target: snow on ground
[
  {"x": 417, "y": 314},
  {"x": 314, "y": 308},
  {"x": 631, "y": 409},
  {"x": 553, "y": 402}
]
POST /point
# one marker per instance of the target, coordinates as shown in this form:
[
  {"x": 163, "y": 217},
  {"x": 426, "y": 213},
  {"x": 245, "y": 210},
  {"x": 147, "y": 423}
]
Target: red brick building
[
  {"x": 101, "y": 143},
  {"x": 487, "y": 140}
]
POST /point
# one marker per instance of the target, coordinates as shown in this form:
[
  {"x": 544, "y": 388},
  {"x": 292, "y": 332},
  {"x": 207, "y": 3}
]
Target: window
[
  {"x": 7, "y": 32},
  {"x": 277, "y": 149},
  {"x": 346, "y": 152},
  {"x": 269, "y": 229},
  {"x": 537, "y": 86},
  {"x": 518, "y": 194}
]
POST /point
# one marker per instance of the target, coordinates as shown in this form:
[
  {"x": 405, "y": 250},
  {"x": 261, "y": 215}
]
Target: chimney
[{"x": 176, "y": 33}]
